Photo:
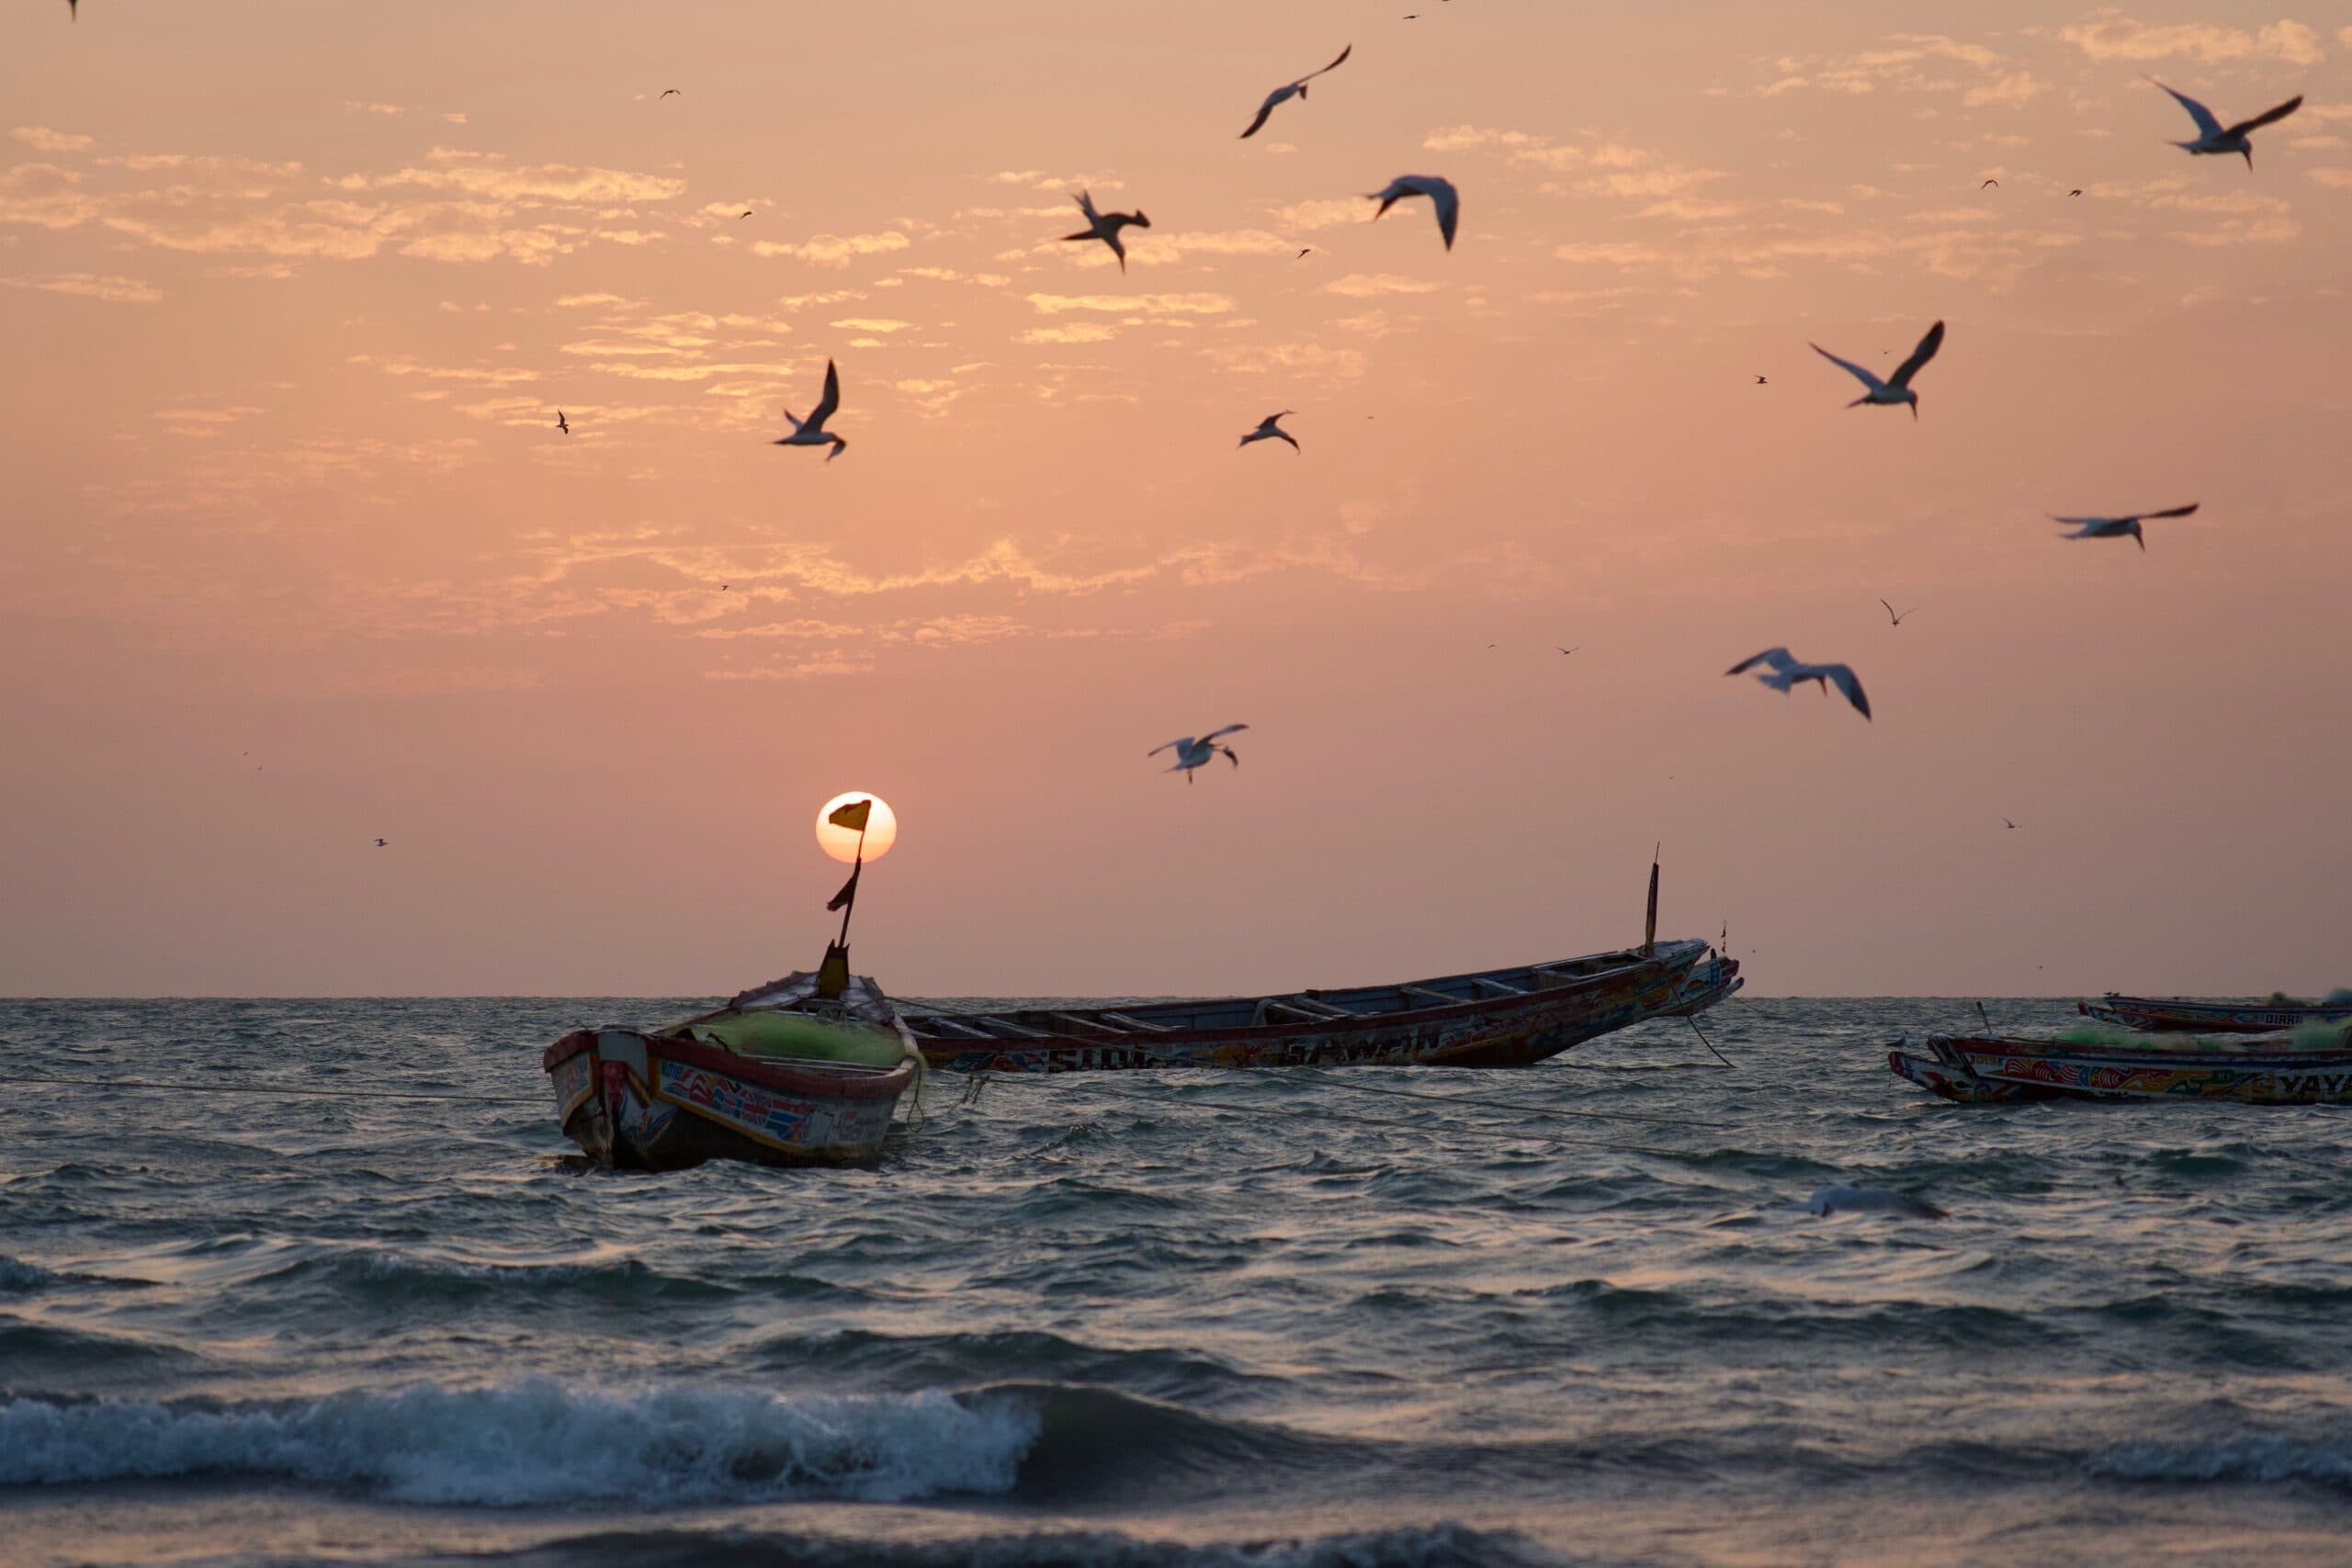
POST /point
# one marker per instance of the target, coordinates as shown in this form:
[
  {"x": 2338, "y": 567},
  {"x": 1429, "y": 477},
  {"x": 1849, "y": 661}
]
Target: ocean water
[{"x": 1575, "y": 1317}]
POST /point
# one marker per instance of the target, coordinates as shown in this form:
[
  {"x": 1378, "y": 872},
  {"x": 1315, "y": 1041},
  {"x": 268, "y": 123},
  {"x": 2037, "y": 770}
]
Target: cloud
[
  {"x": 2021, "y": 88},
  {"x": 88, "y": 285},
  {"x": 1132, "y": 304},
  {"x": 1609, "y": 168},
  {"x": 835, "y": 250},
  {"x": 374, "y": 108},
  {"x": 577, "y": 301},
  {"x": 401, "y": 365},
  {"x": 1077, "y": 331},
  {"x": 1325, "y": 213},
  {"x": 490, "y": 178},
  {"x": 41, "y": 138},
  {"x": 2112, "y": 35},
  {"x": 1371, "y": 285},
  {"x": 872, "y": 324}
]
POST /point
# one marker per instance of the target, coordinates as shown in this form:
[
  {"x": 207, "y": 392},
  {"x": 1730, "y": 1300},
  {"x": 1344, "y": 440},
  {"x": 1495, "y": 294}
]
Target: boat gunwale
[
  {"x": 913, "y": 1017},
  {"x": 2150, "y": 1056},
  {"x": 815, "y": 1079}
]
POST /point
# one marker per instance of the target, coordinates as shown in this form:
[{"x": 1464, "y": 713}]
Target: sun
[{"x": 881, "y": 829}]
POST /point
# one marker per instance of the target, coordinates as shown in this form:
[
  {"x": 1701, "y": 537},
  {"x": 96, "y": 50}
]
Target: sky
[{"x": 293, "y": 557}]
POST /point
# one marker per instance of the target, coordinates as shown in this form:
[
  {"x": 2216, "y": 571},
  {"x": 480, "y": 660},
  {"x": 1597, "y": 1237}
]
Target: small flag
[
  {"x": 853, "y": 816},
  {"x": 848, "y": 892}
]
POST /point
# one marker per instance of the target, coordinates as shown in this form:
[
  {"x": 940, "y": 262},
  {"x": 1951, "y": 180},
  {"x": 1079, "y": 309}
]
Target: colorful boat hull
[
  {"x": 640, "y": 1101},
  {"x": 2174, "y": 1015},
  {"x": 1988, "y": 1070},
  {"x": 1509, "y": 1018}
]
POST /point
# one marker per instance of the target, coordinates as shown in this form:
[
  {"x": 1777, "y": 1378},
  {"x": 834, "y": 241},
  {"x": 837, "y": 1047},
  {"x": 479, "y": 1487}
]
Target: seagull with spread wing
[
  {"x": 811, "y": 432},
  {"x": 1895, "y": 389},
  {"x": 1192, "y": 752},
  {"x": 2213, "y": 136},
  {"x": 1787, "y": 670},
  {"x": 1105, "y": 227},
  {"x": 1441, "y": 195},
  {"x": 2115, "y": 527},
  {"x": 1898, "y": 618},
  {"x": 1289, "y": 90},
  {"x": 1270, "y": 430}
]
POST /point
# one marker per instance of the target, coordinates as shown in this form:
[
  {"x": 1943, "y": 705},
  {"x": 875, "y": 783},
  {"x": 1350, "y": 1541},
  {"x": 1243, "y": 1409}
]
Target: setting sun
[{"x": 881, "y": 832}]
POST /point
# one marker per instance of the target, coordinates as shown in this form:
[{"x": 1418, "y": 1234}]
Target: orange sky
[{"x": 292, "y": 554}]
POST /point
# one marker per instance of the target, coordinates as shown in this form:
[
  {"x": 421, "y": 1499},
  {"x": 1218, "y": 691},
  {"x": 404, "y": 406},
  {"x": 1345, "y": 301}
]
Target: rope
[{"x": 272, "y": 1088}]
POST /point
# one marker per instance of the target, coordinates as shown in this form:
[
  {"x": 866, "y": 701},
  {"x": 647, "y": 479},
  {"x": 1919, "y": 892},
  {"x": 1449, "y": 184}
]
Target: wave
[
  {"x": 1435, "y": 1546},
  {"x": 537, "y": 1442},
  {"x": 2244, "y": 1457}
]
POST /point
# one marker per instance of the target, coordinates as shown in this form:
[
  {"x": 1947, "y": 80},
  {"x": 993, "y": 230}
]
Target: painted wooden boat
[
  {"x": 1495, "y": 1018},
  {"x": 1986, "y": 1070},
  {"x": 2178, "y": 1016},
  {"x": 735, "y": 1083}
]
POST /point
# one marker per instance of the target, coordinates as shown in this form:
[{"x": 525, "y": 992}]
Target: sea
[{"x": 338, "y": 1292}]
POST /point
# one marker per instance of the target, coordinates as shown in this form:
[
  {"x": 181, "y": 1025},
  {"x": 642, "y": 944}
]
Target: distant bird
[
  {"x": 1440, "y": 192},
  {"x": 1896, "y": 618},
  {"x": 667, "y": 93},
  {"x": 745, "y": 213},
  {"x": 1762, "y": 382},
  {"x": 562, "y": 424},
  {"x": 811, "y": 432},
  {"x": 1292, "y": 89},
  {"x": 381, "y": 845},
  {"x": 1305, "y": 252},
  {"x": 2074, "y": 193},
  {"x": 2115, "y": 527},
  {"x": 2006, "y": 823},
  {"x": 1839, "y": 1198},
  {"x": 1567, "y": 650},
  {"x": 1268, "y": 430},
  {"x": 1788, "y": 671},
  {"x": 724, "y": 586},
  {"x": 1896, "y": 388},
  {"x": 1994, "y": 184},
  {"x": 2215, "y": 138},
  {"x": 1105, "y": 227},
  {"x": 1191, "y": 753}
]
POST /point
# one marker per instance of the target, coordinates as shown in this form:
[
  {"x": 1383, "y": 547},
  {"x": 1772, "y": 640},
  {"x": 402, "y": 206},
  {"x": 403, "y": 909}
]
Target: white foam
[{"x": 537, "y": 1442}]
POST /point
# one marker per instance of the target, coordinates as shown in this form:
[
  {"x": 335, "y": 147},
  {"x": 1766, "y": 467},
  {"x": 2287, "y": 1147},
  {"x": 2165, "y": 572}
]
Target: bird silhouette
[
  {"x": 1105, "y": 227},
  {"x": 1441, "y": 195},
  {"x": 1896, "y": 388},
  {"x": 1788, "y": 671},
  {"x": 811, "y": 432},
  {"x": 669, "y": 93},
  {"x": 2115, "y": 527},
  {"x": 1269, "y": 430},
  {"x": 1994, "y": 184},
  {"x": 562, "y": 424},
  {"x": 1192, "y": 752},
  {"x": 382, "y": 845},
  {"x": 1898, "y": 619},
  {"x": 1289, "y": 90},
  {"x": 2213, "y": 136}
]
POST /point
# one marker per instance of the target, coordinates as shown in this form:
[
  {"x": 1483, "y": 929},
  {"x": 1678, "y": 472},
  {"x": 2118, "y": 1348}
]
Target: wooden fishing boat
[
  {"x": 1985, "y": 1070},
  {"x": 2176, "y": 1015},
  {"x": 782, "y": 1075},
  {"x": 1495, "y": 1018}
]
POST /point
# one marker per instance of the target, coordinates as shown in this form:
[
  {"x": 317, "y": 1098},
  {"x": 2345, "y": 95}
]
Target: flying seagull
[
  {"x": 1441, "y": 193},
  {"x": 1895, "y": 388},
  {"x": 1105, "y": 227},
  {"x": 2074, "y": 193},
  {"x": 1762, "y": 382},
  {"x": 1268, "y": 430},
  {"x": 1567, "y": 650},
  {"x": 381, "y": 845},
  {"x": 2115, "y": 527},
  {"x": 1304, "y": 251},
  {"x": 1996, "y": 185},
  {"x": 1788, "y": 670},
  {"x": 2215, "y": 138},
  {"x": 811, "y": 432},
  {"x": 669, "y": 93},
  {"x": 745, "y": 213},
  {"x": 1896, "y": 618},
  {"x": 562, "y": 424},
  {"x": 1191, "y": 753},
  {"x": 2006, "y": 823},
  {"x": 1292, "y": 89}
]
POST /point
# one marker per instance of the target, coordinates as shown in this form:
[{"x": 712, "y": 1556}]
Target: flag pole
[{"x": 849, "y": 905}]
